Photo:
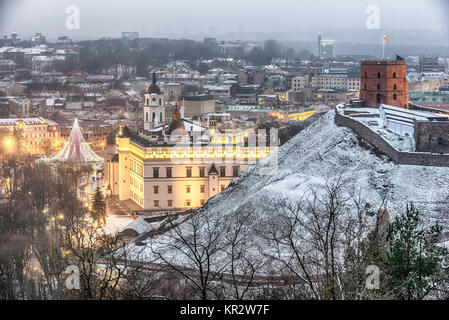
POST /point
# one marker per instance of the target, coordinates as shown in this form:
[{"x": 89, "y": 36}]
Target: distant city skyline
[{"x": 176, "y": 19}]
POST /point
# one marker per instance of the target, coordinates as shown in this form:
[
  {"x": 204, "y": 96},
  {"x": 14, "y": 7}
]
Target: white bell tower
[{"x": 154, "y": 108}]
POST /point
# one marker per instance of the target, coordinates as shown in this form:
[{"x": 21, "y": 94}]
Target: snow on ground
[{"x": 321, "y": 153}]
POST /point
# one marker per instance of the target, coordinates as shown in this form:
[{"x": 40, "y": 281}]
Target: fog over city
[{"x": 224, "y": 19}]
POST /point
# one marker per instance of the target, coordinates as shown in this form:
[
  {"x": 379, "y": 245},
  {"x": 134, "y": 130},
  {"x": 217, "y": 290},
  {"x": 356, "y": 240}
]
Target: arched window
[
  {"x": 160, "y": 101},
  {"x": 146, "y": 115},
  {"x": 154, "y": 116},
  {"x": 378, "y": 98},
  {"x": 160, "y": 118}
]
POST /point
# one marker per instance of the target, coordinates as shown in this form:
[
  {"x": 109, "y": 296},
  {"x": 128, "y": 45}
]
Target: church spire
[{"x": 154, "y": 88}]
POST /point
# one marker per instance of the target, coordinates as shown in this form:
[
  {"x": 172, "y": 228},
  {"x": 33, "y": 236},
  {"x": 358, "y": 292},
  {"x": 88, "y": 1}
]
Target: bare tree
[{"x": 194, "y": 252}]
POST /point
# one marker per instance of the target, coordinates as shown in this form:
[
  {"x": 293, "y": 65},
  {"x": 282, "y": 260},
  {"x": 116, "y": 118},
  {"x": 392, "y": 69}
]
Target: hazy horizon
[{"x": 233, "y": 18}]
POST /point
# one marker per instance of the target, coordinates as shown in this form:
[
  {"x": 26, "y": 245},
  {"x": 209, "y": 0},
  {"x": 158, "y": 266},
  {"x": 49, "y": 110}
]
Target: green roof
[{"x": 429, "y": 97}]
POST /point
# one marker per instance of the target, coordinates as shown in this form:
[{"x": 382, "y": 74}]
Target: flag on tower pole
[{"x": 385, "y": 41}]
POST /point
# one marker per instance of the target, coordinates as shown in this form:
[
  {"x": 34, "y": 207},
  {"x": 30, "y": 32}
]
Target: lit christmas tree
[{"x": 76, "y": 151}]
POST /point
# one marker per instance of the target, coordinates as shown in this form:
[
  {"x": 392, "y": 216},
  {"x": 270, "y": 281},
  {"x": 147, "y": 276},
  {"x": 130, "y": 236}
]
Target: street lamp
[{"x": 9, "y": 144}]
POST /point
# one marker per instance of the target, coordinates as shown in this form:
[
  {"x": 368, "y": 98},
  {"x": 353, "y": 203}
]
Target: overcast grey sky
[{"x": 187, "y": 17}]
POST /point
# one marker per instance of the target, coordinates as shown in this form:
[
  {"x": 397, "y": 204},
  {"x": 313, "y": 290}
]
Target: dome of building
[{"x": 177, "y": 123}]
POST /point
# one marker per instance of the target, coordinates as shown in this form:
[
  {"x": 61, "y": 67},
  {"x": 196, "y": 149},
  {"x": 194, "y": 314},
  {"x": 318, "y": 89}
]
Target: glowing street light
[{"x": 9, "y": 144}]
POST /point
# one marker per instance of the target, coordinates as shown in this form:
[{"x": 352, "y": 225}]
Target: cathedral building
[{"x": 179, "y": 165}]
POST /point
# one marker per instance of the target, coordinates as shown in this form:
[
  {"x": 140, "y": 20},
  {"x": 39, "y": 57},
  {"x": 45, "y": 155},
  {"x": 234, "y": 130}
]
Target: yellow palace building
[{"x": 181, "y": 165}]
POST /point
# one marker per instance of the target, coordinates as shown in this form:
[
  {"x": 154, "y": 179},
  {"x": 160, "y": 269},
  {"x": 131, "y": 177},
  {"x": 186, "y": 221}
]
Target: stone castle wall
[{"x": 406, "y": 158}]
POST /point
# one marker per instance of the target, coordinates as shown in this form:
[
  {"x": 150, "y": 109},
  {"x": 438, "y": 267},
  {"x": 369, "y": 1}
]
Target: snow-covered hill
[{"x": 322, "y": 153}]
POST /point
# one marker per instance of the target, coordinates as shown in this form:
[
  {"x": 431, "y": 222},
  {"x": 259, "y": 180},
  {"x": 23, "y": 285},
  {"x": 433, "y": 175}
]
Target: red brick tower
[{"x": 384, "y": 82}]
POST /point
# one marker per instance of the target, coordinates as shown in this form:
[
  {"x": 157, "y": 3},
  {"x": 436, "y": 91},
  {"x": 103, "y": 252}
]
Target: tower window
[
  {"x": 395, "y": 87},
  {"x": 395, "y": 97},
  {"x": 378, "y": 87},
  {"x": 378, "y": 75},
  {"x": 394, "y": 75}
]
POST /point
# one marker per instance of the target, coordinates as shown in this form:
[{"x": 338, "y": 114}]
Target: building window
[
  {"x": 169, "y": 172},
  {"x": 188, "y": 189},
  {"x": 378, "y": 98},
  {"x": 189, "y": 172},
  {"x": 156, "y": 203},
  {"x": 378, "y": 87},
  {"x": 156, "y": 189},
  {"x": 394, "y": 75},
  {"x": 395, "y": 97},
  {"x": 378, "y": 75},
  {"x": 235, "y": 172},
  {"x": 222, "y": 171},
  {"x": 203, "y": 189},
  {"x": 155, "y": 172},
  {"x": 395, "y": 87},
  {"x": 188, "y": 203},
  {"x": 440, "y": 141},
  {"x": 202, "y": 172},
  {"x": 170, "y": 189},
  {"x": 222, "y": 188},
  {"x": 170, "y": 203}
]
